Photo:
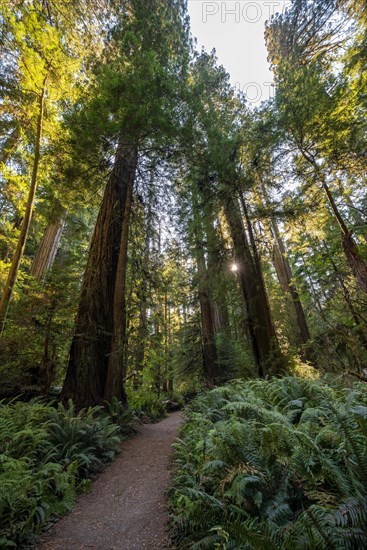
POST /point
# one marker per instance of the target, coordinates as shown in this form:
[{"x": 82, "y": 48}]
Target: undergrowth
[
  {"x": 148, "y": 405},
  {"x": 273, "y": 465},
  {"x": 47, "y": 454}
]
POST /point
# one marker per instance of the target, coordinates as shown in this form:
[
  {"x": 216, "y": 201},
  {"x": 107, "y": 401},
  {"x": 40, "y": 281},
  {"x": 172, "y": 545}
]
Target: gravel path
[{"x": 126, "y": 508}]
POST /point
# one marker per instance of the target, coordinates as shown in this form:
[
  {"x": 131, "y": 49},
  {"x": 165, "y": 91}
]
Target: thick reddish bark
[
  {"x": 101, "y": 305},
  {"x": 356, "y": 262},
  {"x": 261, "y": 329},
  {"x": 48, "y": 247},
  {"x": 116, "y": 366}
]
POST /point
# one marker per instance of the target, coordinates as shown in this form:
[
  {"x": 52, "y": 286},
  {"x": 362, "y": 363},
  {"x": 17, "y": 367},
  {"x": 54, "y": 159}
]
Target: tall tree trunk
[
  {"x": 221, "y": 317},
  {"x": 47, "y": 365},
  {"x": 285, "y": 276},
  {"x": 19, "y": 251},
  {"x": 170, "y": 342},
  {"x": 165, "y": 342},
  {"x": 210, "y": 359},
  {"x": 215, "y": 268},
  {"x": 143, "y": 290},
  {"x": 313, "y": 291},
  {"x": 356, "y": 212},
  {"x": 347, "y": 298},
  {"x": 48, "y": 247},
  {"x": 355, "y": 260},
  {"x": 157, "y": 371},
  {"x": 263, "y": 338},
  {"x": 141, "y": 335},
  {"x": 215, "y": 286},
  {"x": 101, "y": 304},
  {"x": 116, "y": 365},
  {"x": 287, "y": 281}
]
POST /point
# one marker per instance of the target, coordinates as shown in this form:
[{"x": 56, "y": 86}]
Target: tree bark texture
[
  {"x": 47, "y": 249},
  {"x": 100, "y": 325},
  {"x": 264, "y": 342}
]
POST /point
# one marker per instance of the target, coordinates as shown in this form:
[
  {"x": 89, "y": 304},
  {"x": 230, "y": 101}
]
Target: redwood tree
[{"x": 142, "y": 76}]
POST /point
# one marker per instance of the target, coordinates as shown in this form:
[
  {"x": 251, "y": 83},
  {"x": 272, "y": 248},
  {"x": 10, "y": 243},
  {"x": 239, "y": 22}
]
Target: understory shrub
[
  {"x": 145, "y": 403},
  {"x": 46, "y": 454},
  {"x": 273, "y": 465}
]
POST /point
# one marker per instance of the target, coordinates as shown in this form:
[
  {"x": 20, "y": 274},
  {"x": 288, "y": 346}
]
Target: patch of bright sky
[{"x": 236, "y": 30}]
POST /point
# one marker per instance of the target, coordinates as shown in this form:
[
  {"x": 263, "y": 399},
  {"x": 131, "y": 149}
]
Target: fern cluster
[
  {"x": 46, "y": 454},
  {"x": 146, "y": 403},
  {"x": 278, "y": 464}
]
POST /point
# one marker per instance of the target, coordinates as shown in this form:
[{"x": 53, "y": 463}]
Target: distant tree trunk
[
  {"x": 261, "y": 329},
  {"x": 47, "y": 365},
  {"x": 157, "y": 371},
  {"x": 347, "y": 298},
  {"x": 19, "y": 251},
  {"x": 143, "y": 290},
  {"x": 100, "y": 325},
  {"x": 219, "y": 310},
  {"x": 210, "y": 359},
  {"x": 169, "y": 336},
  {"x": 221, "y": 317},
  {"x": 286, "y": 280},
  {"x": 356, "y": 213},
  {"x": 48, "y": 247},
  {"x": 215, "y": 271},
  {"x": 141, "y": 335},
  {"x": 165, "y": 342},
  {"x": 313, "y": 291},
  {"x": 355, "y": 260}
]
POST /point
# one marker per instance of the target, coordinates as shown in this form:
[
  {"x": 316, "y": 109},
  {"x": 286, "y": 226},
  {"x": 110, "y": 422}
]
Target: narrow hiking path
[{"x": 126, "y": 508}]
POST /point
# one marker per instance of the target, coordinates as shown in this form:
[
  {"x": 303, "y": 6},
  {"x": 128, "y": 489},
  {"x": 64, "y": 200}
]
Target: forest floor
[{"x": 127, "y": 506}]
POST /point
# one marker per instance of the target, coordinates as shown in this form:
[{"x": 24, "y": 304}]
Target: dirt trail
[{"x": 126, "y": 508}]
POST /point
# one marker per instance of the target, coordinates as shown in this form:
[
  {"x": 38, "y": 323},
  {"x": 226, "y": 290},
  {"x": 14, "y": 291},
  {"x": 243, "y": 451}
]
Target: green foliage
[
  {"x": 45, "y": 456},
  {"x": 147, "y": 403},
  {"x": 273, "y": 465},
  {"x": 87, "y": 438}
]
